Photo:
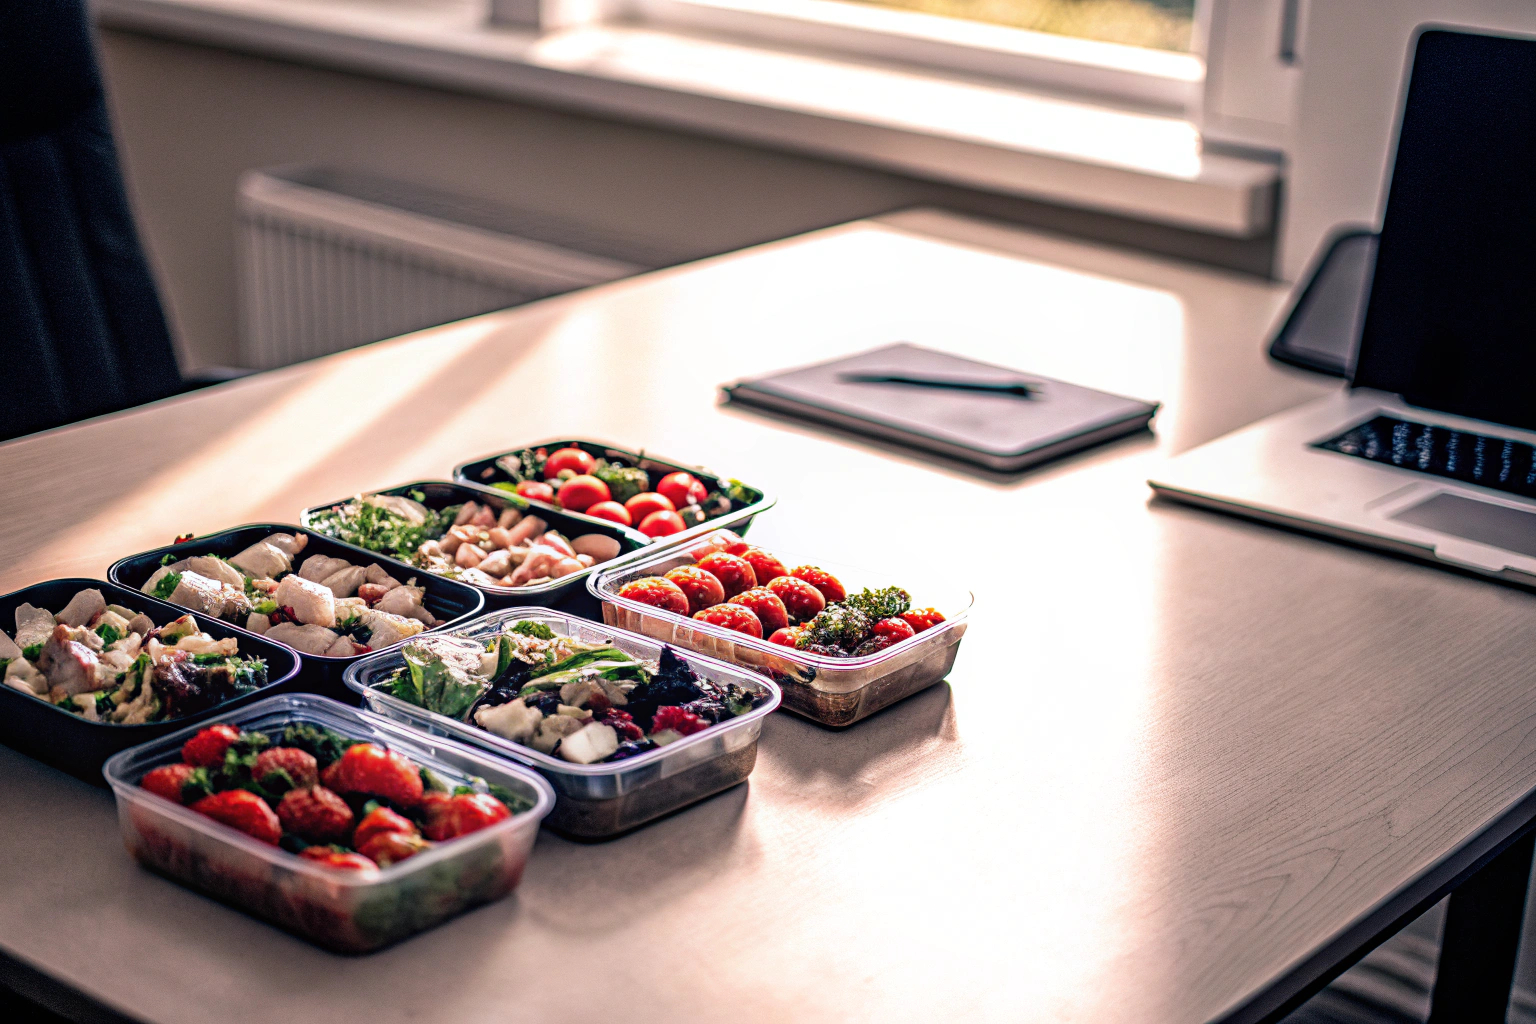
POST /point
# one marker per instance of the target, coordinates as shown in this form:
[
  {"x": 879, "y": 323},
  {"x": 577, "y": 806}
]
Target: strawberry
[
  {"x": 206, "y": 749},
  {"x": 466, "y": 813},
  {"x": 315, "y": 814},
  {"x": 168, "y": 781},
  {"x": 369, "y": 768},
  {"x": 678, "y": 720},
  {"x": 243, "y": 810},
  {"x": 434, "y": 814},
  {"x": 386, "y": 848},
  {"x": 333, "y": 858},
  {"x": 377, "y": 822},
  {"x": 303, "y": 771}
]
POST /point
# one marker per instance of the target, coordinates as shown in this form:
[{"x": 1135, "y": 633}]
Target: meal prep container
[
  {"x": 447, "y": 599},
  {"x": 567, "y": 590},
  {"x": 342, "y": 911},
  {"x": 485, "y": 473},
  {"x": 832, "y": 691},
  {"x": 79, "y": 746},
  {"x": 597, "y": 801}
]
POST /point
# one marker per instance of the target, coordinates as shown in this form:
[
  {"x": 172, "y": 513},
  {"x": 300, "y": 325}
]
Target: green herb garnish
[
  {"x": 167, "y": 585},
  {"x": 108, "y": 633}
]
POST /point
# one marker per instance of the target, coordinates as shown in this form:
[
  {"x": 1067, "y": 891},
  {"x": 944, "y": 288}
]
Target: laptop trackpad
[{"x": 1499, "y": 526}]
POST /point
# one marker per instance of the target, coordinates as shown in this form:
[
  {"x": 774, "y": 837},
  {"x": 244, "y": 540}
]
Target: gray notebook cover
[{"x": 1000, "y": 431}]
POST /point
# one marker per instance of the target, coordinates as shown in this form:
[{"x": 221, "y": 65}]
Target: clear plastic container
[
  {"x": 342, "y": 911},
  {"x": 832, "y": 691},
  {"x": 597, "y": 801}
]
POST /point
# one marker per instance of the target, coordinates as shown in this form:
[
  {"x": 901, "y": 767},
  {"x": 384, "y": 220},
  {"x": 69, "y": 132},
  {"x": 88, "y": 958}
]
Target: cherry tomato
[
  {"x": 574, "y": 459},
  {"x": 732, "y": 616},
  {"x": 662, "y": 524},
  {"x": 536, "y": 490},
  {"x": 765, "y": 566},
  {"x": 736, "y": 547},
  {"x": 922, "y": 618},
  {"x": 734, "y": 572},
  {"x": 702, "y": 588},
  {"x": 897, "y": 629},
  {"x": 765, "y": 604},
  {"x": 611, "y": 511},
  {"x": 789, "y": 636},
  {"x": 658, "y": 592},
  {"x": 646, "y": 502},
  {"x": 823, "y": 581},
  {"x": 682, "y": 489},
  {"x": 803, "y": 601},
  {"x": 580, "y": 493}
]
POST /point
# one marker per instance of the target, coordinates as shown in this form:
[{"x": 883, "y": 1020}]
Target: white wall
[{"x": 1353, "y": 59}]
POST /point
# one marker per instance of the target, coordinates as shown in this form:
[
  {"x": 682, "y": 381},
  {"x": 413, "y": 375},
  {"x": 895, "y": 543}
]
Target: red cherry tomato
[
  {"x": 732, "y": 616},
  {"x": 922, "y": 618},
  {"x": 573, "y": 459},
  {"x": 657, "y": 592},
  {"x": 765, "y": 566},
  {"x": 611, "y": 511},
  {"x": 765, "y": 604},
  {"x": 662, "y": 524},
  {"x": 536, "y": 490},
  {"x": 897, "y": 629},
  {"x": 823, "y": 581},
  {"x": 734, "y": 572},
  {"x": 803, "y": 601},
  {"x": 682, "y": 489},
  {"x": 702, "y": 589},
  {"x": 646, "y": 502},
  {"x": 736, "y": 547},
  {"x": 789, "y": 636},
  {"x": 580, "y": 493}
]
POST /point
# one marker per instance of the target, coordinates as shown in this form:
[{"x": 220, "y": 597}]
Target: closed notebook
[{"x": 1003, "y": 431}]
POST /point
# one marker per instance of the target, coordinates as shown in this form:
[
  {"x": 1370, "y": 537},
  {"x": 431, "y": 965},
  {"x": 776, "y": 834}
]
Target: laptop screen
[{"x": 1451, "y": 322}]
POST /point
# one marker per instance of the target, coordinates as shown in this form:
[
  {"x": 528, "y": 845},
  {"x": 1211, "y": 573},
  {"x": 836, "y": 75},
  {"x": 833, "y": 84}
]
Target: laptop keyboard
[{"x": 1495, "y": 462}]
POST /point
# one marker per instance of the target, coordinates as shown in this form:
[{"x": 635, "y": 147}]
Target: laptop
[{"x": 1431, "y": 450}]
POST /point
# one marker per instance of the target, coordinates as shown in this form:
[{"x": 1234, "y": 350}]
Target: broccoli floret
[
  {"x": 527, "y": 627},
  {"x": 880, "y": 604},
  {"x": 624, "y": 482},
  {"x": 837, "y": 625},
  {"x": 325, "y": 746}
]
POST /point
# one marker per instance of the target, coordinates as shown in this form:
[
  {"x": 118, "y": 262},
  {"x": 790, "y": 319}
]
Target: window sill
[{"x": 974, "y": 133}]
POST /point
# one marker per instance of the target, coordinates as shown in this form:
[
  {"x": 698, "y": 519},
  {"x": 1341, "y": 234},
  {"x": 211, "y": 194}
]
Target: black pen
[{"x": 1023, "y": 389}]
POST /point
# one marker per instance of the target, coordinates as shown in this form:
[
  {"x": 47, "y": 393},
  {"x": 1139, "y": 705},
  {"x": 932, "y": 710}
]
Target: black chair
[{"x": 82, "y": 332}]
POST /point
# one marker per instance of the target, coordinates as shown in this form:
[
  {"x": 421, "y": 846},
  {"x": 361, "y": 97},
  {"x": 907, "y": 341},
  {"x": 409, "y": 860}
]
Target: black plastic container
[
  {"x": 79, "y": 746},
  {"x": 567, "y": 592},
  {"x": 446, "y": 599},
  {"x": 486, "y": 473}
]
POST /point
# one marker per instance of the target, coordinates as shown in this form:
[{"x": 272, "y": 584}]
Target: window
[{"x": 1155, "y": 24}]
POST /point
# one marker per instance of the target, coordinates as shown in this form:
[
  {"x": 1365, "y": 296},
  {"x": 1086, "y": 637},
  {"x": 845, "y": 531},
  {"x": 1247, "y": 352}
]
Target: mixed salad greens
[
  {"x": 580, "y": 701},
  {"x": 108, "y": 663}
]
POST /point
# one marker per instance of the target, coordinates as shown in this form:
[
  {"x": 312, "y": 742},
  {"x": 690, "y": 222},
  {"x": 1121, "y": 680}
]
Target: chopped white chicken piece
[
  {"x": 112, "y": 664},
  {"x": 318, "y": 567},
  {"x": 349, "y": 608},
  {"x": 514, "y": 720},
  {"x": 22, "y": 675},
  {"x": 591, "y": 744},
  {"x": 68, "y": 665},
  {"x": 202, "y": 643},
  {"x": 8, "y": 648},
  {"x": 140, "y": 709},
  {"x": 306, "y": 639},
  {"x": 82, "y": 608},
  {"x": 86, "y": 702},
  {"x": 312, "y": 604},
  {"x": 344, "y": 582},
  {"x": 205, "y": 595},
  {"x": 407, "y": 600},
  {"x": 126, "y": 613},
  {"x": 379, "y": 578},
  {"x": 475, "y": 577},
  {"x": 258, "y": 623},
  {"x": 217, "y": 569},
  {"x": 289, "y": 544},
  {"x": 129, "y": 645},
  {"x": 118, "y": 622},
  {"x": 263, "y": 559},
  {"x": 412, "y": 511},
  {"x": 386, "y": 629},
  {"x": 342, "y": 648},
  {"x": 552, "y": 730},
  {"x": 33, "y": 625}
]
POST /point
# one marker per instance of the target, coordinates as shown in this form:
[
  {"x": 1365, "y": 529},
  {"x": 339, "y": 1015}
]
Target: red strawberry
[
  {"x": 369, "y": 768},
  {"x": 168, "y": 781},
  {"x": 206, "y": 749},
  {"x": 301, "y": 766},
  {"x": 377, "y": 822},
  {"x": 338, "y": 859},
  {"x": 434, "y": 814},
  {"x": 243, "y": 810},
  {"x": 466, "y": 813},
  {"x": 386, "y": 848},
  {"x": 315, "y": 814}
]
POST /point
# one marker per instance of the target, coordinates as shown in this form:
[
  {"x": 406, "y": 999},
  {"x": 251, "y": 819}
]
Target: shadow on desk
[{"x": 30, "y": 997}]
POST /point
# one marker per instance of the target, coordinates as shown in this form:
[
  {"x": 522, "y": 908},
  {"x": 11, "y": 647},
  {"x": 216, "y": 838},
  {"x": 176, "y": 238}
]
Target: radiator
[{"x": 329, "y": 260}]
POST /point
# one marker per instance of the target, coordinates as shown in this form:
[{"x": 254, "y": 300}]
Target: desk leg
[{"x": 1482, "y": 940}]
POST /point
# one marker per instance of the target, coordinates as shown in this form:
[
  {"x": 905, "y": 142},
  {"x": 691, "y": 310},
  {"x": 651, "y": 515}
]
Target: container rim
[
  {"x": 518, "y": 751},
  {"x": 479, "y": 607},
  {"x": 599, "y": 585},
  {"x": 323, "y": 708}
]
